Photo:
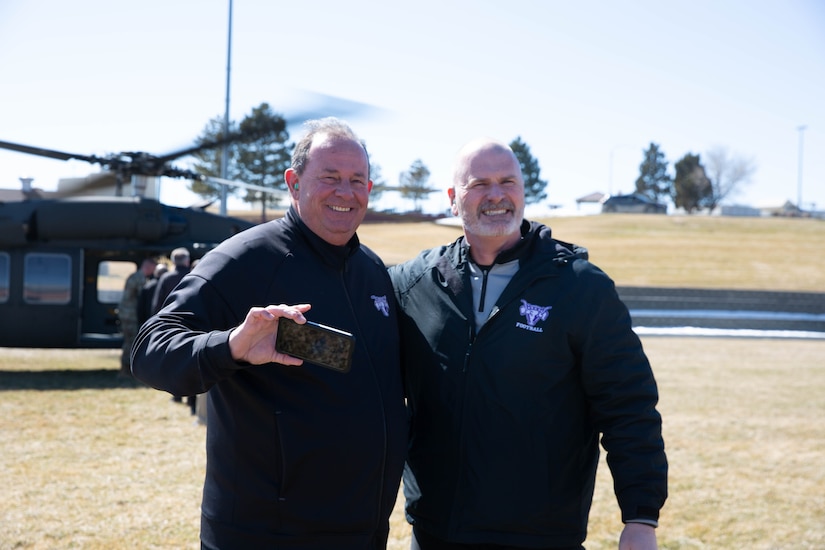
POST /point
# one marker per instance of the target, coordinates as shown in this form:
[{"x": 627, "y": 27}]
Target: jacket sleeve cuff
[{"x": 651, "y": 522}]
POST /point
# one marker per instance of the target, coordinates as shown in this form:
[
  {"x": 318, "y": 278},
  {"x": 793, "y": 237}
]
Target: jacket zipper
[
  {"x": 484, "y": 272},
  {"x": 470, "y": 340},
  {"x": 342, "y": 273}
]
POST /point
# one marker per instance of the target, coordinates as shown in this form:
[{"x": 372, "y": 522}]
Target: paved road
[{"x": 725, "y": 309}]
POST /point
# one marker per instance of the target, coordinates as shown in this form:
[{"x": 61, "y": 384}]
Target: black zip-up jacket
[
  {"x": 505, "y": 423},
  {"x": 297, "y": 457}
]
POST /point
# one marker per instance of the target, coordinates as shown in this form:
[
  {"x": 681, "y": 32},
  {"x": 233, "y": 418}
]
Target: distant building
[
  {"x": 596, "y": 197},
  {"x": 739, "y": 210},
  {"x": 591, "y": 203},
  {"x": 786, "y": 210}
]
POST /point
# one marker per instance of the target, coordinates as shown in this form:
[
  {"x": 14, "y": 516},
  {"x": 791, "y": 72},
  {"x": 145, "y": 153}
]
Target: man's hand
[
  {"x": 253, "y": 341},
  {"x": 638, "y": 536}
]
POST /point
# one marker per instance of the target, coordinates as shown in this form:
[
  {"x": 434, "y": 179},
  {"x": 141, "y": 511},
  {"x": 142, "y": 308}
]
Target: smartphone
[{"x": 318, "y": 344}]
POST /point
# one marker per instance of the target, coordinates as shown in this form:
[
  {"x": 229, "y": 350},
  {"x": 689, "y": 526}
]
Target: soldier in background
[
  {"x": 166, "y": 284},
  {"x": 147, "y": 293},
  {"x": 127, "y": 311}
]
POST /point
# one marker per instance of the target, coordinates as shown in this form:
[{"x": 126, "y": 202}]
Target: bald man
[{"x": 518, "y": 355}]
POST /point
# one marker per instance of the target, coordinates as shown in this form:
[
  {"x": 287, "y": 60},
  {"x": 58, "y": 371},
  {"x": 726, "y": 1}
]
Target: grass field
[
  {"x": 95, "y": 462},
  {"x": 90, "y": 461},
  {"x": 663, "y": 251}
]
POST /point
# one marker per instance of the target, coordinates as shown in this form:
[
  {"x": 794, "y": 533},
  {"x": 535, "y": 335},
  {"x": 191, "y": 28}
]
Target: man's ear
[
  {"x": 451, "y": 194},
  {"x": 291, "y": 178}
]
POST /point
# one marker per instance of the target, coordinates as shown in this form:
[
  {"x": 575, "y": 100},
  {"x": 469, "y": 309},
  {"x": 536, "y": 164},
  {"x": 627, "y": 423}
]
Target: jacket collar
[
  {"x": 536, "y": 240},
  {"x": 545, "y": 255},
  {"x": 331, "y": 254},
  {"x": 524, "y": 244}
]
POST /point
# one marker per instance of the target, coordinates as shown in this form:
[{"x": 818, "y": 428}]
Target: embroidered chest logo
[
  {"x": 381, "y": 304},
  {"x": 533, "y": 314}
]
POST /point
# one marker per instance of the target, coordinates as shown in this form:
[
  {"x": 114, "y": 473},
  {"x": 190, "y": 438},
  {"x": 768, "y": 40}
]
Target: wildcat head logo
[
  {"x": 381, "y": 304},
  {"x": 534, "y": 313}
]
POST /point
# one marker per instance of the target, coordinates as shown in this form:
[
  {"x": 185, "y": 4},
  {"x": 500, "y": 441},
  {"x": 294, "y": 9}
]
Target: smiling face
[
  {"x": 488, "y": 195},
  {"x": 332, "y": 193}
]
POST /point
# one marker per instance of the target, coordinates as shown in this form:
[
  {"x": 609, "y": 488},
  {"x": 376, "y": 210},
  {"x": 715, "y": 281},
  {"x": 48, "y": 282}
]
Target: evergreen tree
[
  {"x": 259, "y": 155},
  {"x": 379, "y": 185},
  {"x": 691, "y": 187},
  {"x": 263, "y": 161},
  {"x": 653, "y": 179},
  {"x": 534, "y": 186},
  {"x": 208, "y": 161},
  {"x": 413, "y": 184}
]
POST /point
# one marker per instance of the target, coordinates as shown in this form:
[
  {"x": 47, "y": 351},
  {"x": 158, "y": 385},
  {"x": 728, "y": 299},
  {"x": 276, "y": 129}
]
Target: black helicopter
[{"x": 64, "y": 256}]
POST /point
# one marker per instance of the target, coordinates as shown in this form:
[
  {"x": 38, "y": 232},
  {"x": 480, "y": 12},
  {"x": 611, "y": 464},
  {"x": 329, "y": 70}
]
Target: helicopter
[{"x": 64, "y": 256}]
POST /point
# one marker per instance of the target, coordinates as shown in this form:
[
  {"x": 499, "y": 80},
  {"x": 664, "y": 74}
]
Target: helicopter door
[{"x": 105, "y": 276}]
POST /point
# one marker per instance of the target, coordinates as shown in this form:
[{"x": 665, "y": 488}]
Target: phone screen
[{"x": 318, "y": 344}]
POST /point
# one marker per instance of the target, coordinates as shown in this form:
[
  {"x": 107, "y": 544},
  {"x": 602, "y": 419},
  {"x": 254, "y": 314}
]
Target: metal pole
[
  {"x": 225, "y": 147},
  {"x": 801, "y": 130}
]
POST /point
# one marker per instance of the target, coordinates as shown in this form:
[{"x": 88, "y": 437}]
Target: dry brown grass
[
  {"x": 673, "y": 251},
  {"x": 90, "y": 461},
  {"x": 744, "y": 442}
]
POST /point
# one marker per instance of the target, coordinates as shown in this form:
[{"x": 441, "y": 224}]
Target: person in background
[
  {"x": 518, "y": 356},
  {"x": 298, "y": 456},
  {"x": 168, "y": 281},
  {"x": 147, "y": 293},
  {"x": 127, "y": 311}
]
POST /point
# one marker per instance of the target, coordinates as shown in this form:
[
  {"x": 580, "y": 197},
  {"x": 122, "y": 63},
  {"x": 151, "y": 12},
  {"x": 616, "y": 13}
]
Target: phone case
[{"x": 316, "y": 343}]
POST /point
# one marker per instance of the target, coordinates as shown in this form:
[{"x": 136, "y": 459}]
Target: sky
[{"x": 587, "y": 85}]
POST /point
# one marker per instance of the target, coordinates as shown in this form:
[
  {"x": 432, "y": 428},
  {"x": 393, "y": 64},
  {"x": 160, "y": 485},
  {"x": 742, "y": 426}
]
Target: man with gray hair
[
  {"x": 518, "y": 355},
  {"x": 299, "y": 456}
]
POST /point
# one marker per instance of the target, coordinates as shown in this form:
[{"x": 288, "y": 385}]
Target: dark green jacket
[{"x": 506, "y": 422}]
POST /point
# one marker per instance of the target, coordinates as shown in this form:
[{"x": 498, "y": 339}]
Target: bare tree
[{"x": 727, "y": 173}]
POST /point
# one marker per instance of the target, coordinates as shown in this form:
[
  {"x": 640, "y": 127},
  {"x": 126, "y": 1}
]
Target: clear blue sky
[{"x": 583, "y": 83}]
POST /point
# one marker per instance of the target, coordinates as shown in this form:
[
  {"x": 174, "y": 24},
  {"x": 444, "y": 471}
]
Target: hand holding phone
[{"x": 316, "y": 343}]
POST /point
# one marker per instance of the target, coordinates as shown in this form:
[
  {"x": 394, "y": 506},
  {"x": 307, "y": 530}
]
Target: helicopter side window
[
  {"x": 4, "y": 277},
  {"x": 111, "y": 278},
  {"x": 47, "y": 278}
]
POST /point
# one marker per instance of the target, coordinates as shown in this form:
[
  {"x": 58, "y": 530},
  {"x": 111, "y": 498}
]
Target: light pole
[
  {"x": 801, "y": 130},
  {"x": 225, "y": 147}
]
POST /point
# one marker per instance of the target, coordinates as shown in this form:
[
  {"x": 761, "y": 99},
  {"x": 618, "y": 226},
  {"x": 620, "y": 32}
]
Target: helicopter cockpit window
[
  {"x": 47, "y": 278},
  {"x": 4, "y": 277},
  {"x": 111, "y": 278}
]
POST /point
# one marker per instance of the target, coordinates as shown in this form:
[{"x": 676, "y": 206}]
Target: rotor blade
[
  {"x": 277, "y": 125},
  {"x": 277, "y": 193},
  {"x": 320, "y": 105},
  {"x": 49, "y": 153},
  {"x": 323, "y": 105}
]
